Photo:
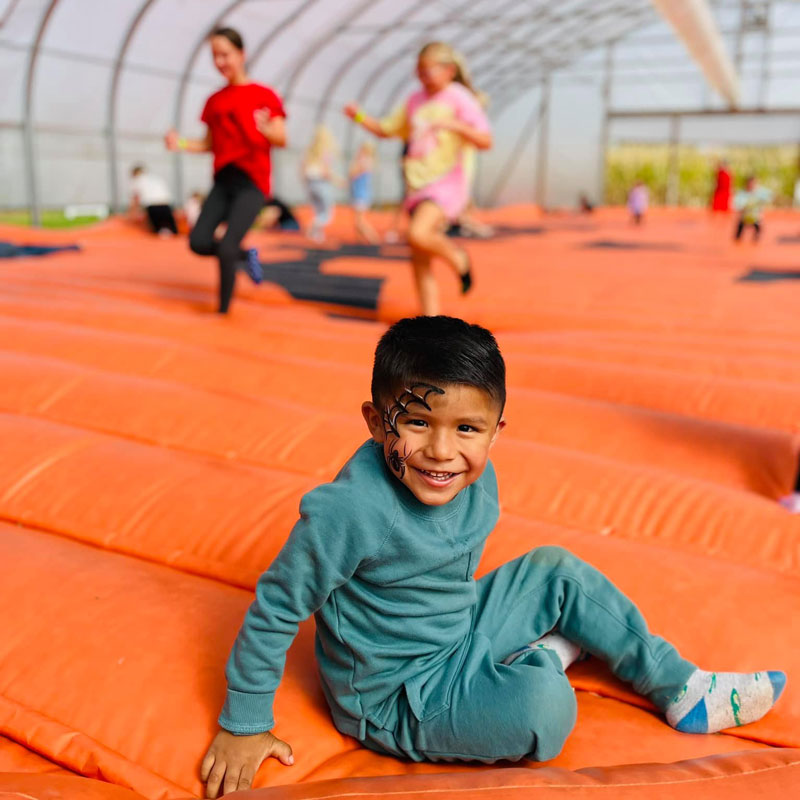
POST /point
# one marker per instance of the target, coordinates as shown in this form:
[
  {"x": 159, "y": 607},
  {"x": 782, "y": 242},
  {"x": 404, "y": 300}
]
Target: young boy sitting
[{"x": 417, "y": 659}]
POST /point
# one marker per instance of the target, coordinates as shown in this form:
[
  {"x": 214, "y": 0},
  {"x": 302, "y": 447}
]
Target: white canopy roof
[{"x": 120, "y": 72}]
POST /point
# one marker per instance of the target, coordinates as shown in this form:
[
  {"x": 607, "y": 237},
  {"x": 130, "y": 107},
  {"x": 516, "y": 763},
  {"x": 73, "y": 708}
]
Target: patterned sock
[
  {"x": 566, "y": 651},
  {"x": 713, "y": 701}
]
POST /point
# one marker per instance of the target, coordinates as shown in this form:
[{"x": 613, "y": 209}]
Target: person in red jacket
[
  {"x": 721, "y": 200},
  {"x": 244, "y": 120}
]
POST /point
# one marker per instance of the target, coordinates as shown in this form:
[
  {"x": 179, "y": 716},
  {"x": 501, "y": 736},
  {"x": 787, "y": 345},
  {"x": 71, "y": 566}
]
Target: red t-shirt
[{"x": 230, "y": 116}]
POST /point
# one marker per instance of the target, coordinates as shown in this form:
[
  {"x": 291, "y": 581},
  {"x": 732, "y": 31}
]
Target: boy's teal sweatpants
[{"x": 492, "y": 711}]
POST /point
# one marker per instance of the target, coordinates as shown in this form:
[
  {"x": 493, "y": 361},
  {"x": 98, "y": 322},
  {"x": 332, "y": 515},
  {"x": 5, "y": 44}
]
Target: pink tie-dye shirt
[{"x": 435, "y": 165}]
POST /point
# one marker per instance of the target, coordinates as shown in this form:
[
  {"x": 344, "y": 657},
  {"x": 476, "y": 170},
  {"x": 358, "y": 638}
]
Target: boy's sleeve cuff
[{"x": 246, "y": 713}]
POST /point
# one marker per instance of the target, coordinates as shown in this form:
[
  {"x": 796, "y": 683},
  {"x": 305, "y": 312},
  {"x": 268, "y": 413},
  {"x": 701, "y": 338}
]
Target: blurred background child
[
  {"x": 151, "y": 197},
  {"x": 319, "y": 177},
  {"x": 750, "y": 203},
  {"x": 361, "y": 170}
]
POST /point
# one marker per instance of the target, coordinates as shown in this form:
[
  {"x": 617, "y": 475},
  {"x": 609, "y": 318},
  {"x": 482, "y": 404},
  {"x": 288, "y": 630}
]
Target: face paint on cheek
[
  {"x": 396, "y": 462},
  {"x": 418, "y": 393}
]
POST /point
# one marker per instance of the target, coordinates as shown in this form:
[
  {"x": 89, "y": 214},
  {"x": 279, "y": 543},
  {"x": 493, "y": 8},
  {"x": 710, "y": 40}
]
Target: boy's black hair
[{"x": 437, "y": 350}]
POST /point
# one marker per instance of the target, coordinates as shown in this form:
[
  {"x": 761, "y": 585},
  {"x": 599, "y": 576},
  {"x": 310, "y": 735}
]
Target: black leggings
[
  {"x": 161, "y": 218},
  {"x": 741, "y": 226},
  {"x": 234, "y": 199}
]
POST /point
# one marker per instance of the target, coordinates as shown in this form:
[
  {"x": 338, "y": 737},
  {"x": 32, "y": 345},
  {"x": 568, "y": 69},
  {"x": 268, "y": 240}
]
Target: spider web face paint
[
  {"x": 418, "y": 394},
  {"x": 407, "y": 398}
]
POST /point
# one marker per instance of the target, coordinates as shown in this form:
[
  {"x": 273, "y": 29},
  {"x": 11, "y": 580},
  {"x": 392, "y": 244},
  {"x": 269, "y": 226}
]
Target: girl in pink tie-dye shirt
[{"x": 439, "y": 122}]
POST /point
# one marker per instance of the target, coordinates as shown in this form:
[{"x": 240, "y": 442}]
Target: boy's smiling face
[{"x": 436, "y": 439}]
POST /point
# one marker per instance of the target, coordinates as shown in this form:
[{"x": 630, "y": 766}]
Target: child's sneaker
[{"x": 252, "y": 266}]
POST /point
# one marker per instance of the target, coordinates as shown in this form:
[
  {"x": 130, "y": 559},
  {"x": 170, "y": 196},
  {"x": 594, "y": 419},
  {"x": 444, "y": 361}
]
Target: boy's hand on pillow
[{"x": 232, "y": 761}]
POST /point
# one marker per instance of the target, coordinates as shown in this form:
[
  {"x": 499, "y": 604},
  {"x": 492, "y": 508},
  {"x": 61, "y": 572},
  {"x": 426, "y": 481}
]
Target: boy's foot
[
  {"x": 252, "y": 266},
  {"x": 713, "y": 701},
  {"x": 466, "y": 273},
  {"x": 567, "y": 651}
]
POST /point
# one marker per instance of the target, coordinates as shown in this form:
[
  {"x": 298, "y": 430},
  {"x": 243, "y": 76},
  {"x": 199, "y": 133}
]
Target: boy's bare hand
[{"x": 232, "y": 761}]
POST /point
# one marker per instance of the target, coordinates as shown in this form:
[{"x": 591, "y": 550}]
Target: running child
[
  {"x": 149, "y": 194},
  {"x": 319, "y": 177},
  {"x": 418, "y": 659},
  {"x": 244, "y": 120},
  {"x": 361, "y": 190},
  {"x": 638, "y": 200},
  {"x": 437, "y": 121},
  {"x": 750, "y": 203}
]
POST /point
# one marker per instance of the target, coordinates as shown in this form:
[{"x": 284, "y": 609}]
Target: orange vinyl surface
[{"x": 154, "y": 454}]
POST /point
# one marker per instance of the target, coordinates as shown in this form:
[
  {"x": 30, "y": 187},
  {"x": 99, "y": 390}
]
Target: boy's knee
[
  {"x": 554, "y": 713},
  {"x": 554, "y": 732}
]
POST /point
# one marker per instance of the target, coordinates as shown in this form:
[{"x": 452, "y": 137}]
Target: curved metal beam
[
  {"x": 111, "y": 116},
  {"x": 502, "y": 80},
  {"x": 403, "y": 53},
  {"x": 533, "y": 47},
  {"x": 359, "y": 53},
  {"x": 479, "y": 49},
  {"x": 510, "y": 71},
  {"x": 319, "y": 43},
  {"x": 27, "y": 112},
  {"x": 273, "y": 34},
  {"x": 555, "y": 28},
  {"x": 8, "y": 12},
  {"x": 695, "y": 26},
  {"x": 506, "y": 97}
]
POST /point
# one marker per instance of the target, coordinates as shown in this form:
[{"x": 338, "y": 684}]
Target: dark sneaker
[{"x": 252, "y": 266}]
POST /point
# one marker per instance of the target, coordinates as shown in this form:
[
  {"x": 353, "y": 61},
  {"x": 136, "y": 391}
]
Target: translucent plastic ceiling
[
  {"x": 90, "y": 86},
  {"x": 129, "y": 69},
  {"x": 142, "y": 63}
]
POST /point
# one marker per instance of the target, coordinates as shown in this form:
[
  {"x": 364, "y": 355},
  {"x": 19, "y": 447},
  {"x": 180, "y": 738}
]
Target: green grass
[
  {"x": 775, "y": 166},
  {"x": 51, "y": 218}
]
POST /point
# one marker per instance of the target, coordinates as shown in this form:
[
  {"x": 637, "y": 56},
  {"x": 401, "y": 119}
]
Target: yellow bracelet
[
  {"x": 182, "y": 143},
  {"x": 359, "y": 116}
]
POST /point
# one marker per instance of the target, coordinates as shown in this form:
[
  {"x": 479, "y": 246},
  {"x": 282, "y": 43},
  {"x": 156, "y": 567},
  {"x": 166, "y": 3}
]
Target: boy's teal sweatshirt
[{"x": 390, "y": 581}]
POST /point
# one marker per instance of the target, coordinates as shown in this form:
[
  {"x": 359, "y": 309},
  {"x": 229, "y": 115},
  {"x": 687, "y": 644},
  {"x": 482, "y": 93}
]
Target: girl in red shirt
[{"x": 244, "y": 121}]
